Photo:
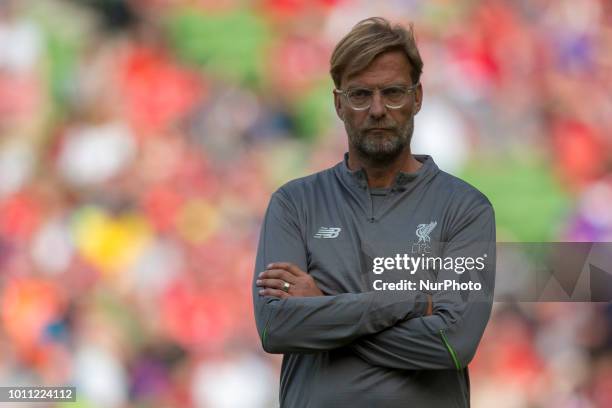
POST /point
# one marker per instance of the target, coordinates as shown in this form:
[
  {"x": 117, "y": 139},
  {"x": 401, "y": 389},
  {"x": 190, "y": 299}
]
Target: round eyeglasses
[{"x": 394, "y": 96}]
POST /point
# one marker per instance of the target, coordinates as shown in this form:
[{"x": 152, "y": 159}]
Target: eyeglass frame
[{"x": 409, "y": 89}]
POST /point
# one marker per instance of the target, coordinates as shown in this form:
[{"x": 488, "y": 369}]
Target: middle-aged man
[{"x": 336, "y": 289}]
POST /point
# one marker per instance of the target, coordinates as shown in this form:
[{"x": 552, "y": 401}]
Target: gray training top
[{"x": 360, "y": 346}]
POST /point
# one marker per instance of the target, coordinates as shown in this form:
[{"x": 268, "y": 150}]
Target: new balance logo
[{"x": 328, "y": 232}]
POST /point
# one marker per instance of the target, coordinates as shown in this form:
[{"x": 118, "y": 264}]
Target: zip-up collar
[{"x": 402, "y": 179}]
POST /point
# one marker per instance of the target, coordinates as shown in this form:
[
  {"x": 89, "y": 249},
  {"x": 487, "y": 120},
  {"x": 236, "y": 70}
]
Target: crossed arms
[{"x": 388, "y": 329}]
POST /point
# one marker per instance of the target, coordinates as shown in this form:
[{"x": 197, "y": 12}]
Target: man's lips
[{"x": 368, "y": 130}]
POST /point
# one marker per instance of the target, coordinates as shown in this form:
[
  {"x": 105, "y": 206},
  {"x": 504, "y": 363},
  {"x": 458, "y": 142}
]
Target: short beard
[{"x": 380, "y": 148}]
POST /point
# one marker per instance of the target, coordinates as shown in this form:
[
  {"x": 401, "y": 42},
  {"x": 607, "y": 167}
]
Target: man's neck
[{"x": 382, "y": 175}]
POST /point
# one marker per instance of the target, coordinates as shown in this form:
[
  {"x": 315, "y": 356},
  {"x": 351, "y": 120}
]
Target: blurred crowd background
[{"x": 140, "y": 141}]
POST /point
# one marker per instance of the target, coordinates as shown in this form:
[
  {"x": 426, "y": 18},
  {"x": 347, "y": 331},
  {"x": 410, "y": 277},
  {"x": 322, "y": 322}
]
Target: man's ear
[
  {"x": 338, "y": 106},
  {"x": 418, "y": 98}
]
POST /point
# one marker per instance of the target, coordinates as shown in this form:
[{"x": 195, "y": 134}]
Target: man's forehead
[{"x": 390, "y": 67}]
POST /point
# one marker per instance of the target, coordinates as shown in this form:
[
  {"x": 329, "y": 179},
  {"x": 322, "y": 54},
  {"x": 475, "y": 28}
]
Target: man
[{"x": 333, "y": 244}]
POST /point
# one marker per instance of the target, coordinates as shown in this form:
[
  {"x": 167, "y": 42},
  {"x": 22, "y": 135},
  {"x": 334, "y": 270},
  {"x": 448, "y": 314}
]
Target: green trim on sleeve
[
  {"x": 450, "y": 350},
  {"x": 264, "y": 334}
]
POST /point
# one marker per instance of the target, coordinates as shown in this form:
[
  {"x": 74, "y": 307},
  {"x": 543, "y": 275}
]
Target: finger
[
  {"x": 275, "y": 293},
  {"x": 270, "y": 283},
  {"x": 289, "y": 267},
  {"x": 277, "y": 274}
]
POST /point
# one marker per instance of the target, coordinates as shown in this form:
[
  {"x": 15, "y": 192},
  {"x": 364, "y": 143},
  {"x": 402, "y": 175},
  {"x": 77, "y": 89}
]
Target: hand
[{"x": 273, "y": 278}]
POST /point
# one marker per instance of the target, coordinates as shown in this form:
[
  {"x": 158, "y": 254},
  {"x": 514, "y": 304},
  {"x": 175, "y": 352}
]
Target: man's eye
[
  {"x": 360, "y": 93},
  {"x": 393, "y": 92}
]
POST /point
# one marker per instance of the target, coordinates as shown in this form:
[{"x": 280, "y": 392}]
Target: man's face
[{"x": 380, "y": 133}]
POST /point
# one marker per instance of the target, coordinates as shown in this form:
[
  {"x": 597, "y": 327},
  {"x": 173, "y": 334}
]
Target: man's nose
[{"x": 377, "y": 108}]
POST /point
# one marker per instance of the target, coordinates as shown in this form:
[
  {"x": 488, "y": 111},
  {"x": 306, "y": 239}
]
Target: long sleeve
[
  {"x": 312, "y": 324},
  {"x": 447, "y": 339}
]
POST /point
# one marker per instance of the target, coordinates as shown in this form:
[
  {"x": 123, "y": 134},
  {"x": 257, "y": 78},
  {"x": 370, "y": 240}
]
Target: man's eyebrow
[{"x": 350, "y": 85}]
